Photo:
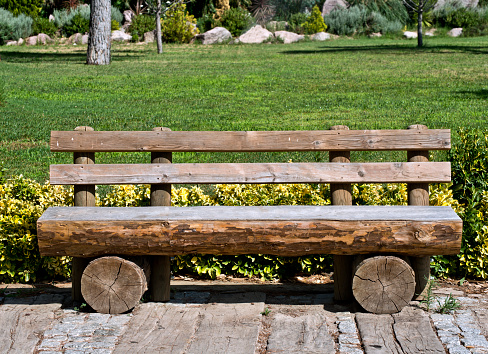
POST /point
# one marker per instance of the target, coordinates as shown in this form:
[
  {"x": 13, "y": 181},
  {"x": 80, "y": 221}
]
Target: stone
[
  {"x": 256, "y": 34},
  {"x": 331, "y": 5},
  {"x": 11, "y": 43},
  {"x": 119, "y": 36},
  {"x": 215, "y": 35},
  {"x": 31, "y": 40},
  {"x": 84, "y": 39},
  {"x": 20, "y": 41},
  {"x": 51, "y": 18},
  {"x": 455, "y": 32},
  {"x": 128, "y": 16},
  {"x": 375, "y": 35},
  {"x": 149, "y": 37},
  {"x": 288, "y": 37},
  {"x": 75, "y": 39},
  {"x": 44, "y": 39},
  {"x": 321, "y": 36},
  {"x": 431, "y": 33},
  {"x": 410, "y": 35}
]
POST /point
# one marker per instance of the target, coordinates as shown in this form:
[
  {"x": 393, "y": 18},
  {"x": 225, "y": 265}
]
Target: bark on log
[
  {"x": 114, "y": 285},
  {"x": 383, "y": 284},
  {"x": 99, "y": 40}
]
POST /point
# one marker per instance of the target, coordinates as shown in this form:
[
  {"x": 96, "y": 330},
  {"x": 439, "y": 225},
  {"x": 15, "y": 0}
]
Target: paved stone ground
[{"x": 238, "y": 318}]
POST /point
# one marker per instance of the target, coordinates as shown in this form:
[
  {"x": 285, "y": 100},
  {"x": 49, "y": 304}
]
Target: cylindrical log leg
[
  {"x": 341, "y": 195},
  {"x": 113, "y": 284},
  {"x": 159, "y": 286},
  {"x": 383, "y": 284}
]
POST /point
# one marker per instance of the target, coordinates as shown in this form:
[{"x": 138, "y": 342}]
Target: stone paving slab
[{"x": 232, "y": 320}]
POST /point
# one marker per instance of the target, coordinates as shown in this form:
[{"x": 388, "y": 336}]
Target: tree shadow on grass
[
  {"x": 394, "y": 48},
  {"x": 77, "y": 57},
  {"x": 480, "y": 94}
]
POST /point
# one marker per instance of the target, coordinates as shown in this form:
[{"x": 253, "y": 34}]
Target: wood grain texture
[
  {"x": 377, "y": 334},
  {"x": 281, "y": 230},
  {"x": 113, "y": 285},
  {"x": 326, "y": 140},
  {"x": 383, "y": 284},
  {"x": 215, "y": 173}
]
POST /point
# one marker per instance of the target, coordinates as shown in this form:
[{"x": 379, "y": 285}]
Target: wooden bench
[{"x": 381, "y": 253}]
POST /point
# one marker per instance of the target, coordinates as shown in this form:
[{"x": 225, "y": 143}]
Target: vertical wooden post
[
  {"x": 341, "y": 195},
  {"x": 84, "y": 195},
  {"x": 159, "y": 286},
  {"x": 418, "y": 194}
]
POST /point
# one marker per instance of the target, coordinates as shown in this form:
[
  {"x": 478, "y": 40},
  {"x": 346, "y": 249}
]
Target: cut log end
[
  {"x": 113, "y": 285},
  {"x": 383, "y": 284}
]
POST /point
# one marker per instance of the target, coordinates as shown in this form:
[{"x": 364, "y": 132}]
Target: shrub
[
  {"x": 178, "y": 26},
  {"x": 78, "y": 24},
  {"x": 63, "y": 18},
  {"x": 30, "y": 8},
  {"x": 453, "y": 14},
  {"x": 315, "y": 23},
  {"x": 296, "y": 21},
  {"x": 141, "y": 24},
  {"x": 13, "y": 28},
  {"x": 392, "y": 10},
  {"x": 114, "y": 25},
  {"x": 43, "y": 25},
  {"x": 285, "y": 8},
  {"x": 236, "y": 20}
]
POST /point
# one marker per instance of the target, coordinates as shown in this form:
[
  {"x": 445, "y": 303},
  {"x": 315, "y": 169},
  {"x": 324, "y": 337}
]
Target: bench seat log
[
  {"x": 279, "y": 230},
  {"x": 235, "y": 141},
  {"x": 214, "y": 173}
]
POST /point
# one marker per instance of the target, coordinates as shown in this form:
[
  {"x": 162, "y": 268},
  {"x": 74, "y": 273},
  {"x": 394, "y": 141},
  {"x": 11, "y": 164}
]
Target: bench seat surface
[{"x": 281, "y": 230}]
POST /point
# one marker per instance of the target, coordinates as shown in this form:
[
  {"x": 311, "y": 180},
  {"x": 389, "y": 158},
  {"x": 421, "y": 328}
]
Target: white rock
[
  {"x": 20, "y": 41},
  {"x": 430, "y": 32},
  {"x": 75, "y": 38},
  {"x": 128, "y": 15},
  {"x": 288, "y": 37},
  {"x": 331, "y": 5},
  {"x": 149, "y": 37},
  {"x": 375, "y": 35},
  {"x": 11, "y": 43},
  {"x": 31, "y": 40},
  {"x": 44, "y": 39},
  {"x": 410, "y": 35},
  {"x": 215, "y": 35},
  {"x": 84, "y": 39},
  {"x": 321, "y": 36},
  {"x": 256, "y": 34},
  {"x": 51, "y": 18},
  {"x": 455, "y": 32},
  {"x": 119, "y": 36}
]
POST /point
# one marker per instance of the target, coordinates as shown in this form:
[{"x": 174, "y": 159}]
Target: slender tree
[
  {"x": 99, "y": 40},
  {"x": 419, "y": 7}
]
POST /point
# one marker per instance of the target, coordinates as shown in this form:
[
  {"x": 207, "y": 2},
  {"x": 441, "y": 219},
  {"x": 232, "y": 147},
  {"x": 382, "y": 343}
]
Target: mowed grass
[{"x": 362, "y": 83}]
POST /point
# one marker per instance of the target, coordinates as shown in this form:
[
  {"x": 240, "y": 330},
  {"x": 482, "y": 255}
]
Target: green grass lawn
[{"x": 362, "y": 83}]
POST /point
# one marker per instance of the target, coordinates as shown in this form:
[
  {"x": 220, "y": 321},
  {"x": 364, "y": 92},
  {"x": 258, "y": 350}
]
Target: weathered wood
[
  {"x": 326, "y": 140},
  {"x": 418, "y": 194},
  {"x": 230, "y": 324},
  {"x": 281, "y": 230},
  {"x": 376, "y": 333},
  {"x": 214, "y": 173},
  {"x": 341, "y": 195},
  {"x": 159, "y": 286},
  {"x": 414, "y": 332},
  {"x": 383, "y": 284},
  {"x": 113, "y": 284},
  {"x": 84, "y": 196}
]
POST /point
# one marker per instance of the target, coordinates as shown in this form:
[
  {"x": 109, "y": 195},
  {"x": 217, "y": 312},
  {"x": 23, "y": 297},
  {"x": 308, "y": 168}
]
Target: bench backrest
[{"x": 417, "y": 142}]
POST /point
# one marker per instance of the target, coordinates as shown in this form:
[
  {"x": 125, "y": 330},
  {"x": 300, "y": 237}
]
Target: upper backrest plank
[
  {"x": 213, "y": 173},
  {"x": 235, "y": 141}
]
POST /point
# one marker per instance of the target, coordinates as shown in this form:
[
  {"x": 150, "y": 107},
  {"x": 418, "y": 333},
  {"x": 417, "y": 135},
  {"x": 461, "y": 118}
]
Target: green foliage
[
  {"x": 30, "y": 8},
  {"x": 22, "y": 202},
  {"x": 14, "y": 27},
  {"x": 141, "y": 24},
  {"x": 64, "y": 18},
  {"x": 449, "y": 305},
  {"x": 315, "y": 23},
  {"x": 236, "y": 20},
  {"x": 392, "y": 10},
  {"x": 453, "y": 14},
  {"x": 78, "y": 24},
  {"x": 285, "y": 8},
  {"x": 114, "y": 25},
  {"x": 43, "y": 25},
  {"x": 359, "y": 20},
  {"x": 296, "y": 22},
  {"x": 178, "y": 26}
]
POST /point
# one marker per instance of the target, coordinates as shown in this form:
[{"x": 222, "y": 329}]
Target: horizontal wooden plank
[
  {"x": 279, "y": 230},
  {"x": 202, "y": 173},
  {"x": 325, "y": 140}
]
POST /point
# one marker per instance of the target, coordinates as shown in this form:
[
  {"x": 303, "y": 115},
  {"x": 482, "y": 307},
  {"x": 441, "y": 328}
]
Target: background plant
[
  {"x": 30, "y": 8},
  {"x": 14, "y": 27},
  {"x": 235, "y": 20},
  {"x": 178, "y": 26},
  {"x": 43, "y": 25},
  {"x": 141, "y": 24},
  {"x": 315, "y": 23}
]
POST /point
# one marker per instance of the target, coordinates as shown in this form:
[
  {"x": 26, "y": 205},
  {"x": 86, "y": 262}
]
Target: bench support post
[
  {"x": 159, "y": 285},
  {"x": 418, "y": 194},
  {"x": 341, "y": 195},
  {"x": 84, "y": 196}
]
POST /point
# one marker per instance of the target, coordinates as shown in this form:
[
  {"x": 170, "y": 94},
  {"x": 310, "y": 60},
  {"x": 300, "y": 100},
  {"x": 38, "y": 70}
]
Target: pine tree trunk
[
  {"x": 158, "y": 29},
  {"x": 99, "y": 40},
  {"x": 419, "y": 27}
]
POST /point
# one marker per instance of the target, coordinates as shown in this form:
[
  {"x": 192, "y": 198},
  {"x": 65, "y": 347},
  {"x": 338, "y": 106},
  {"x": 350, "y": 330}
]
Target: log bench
[{"x": 381, "y": 253}]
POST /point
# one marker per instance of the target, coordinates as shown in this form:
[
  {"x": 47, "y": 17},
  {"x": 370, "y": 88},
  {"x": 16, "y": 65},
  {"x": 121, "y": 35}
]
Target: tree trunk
[
  {"x": 99, "y": 40},
  {"x": 158, "y": 28},
  {"x": 419, "y": 27}
]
